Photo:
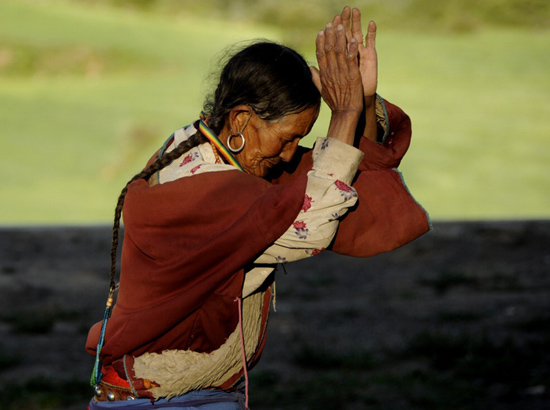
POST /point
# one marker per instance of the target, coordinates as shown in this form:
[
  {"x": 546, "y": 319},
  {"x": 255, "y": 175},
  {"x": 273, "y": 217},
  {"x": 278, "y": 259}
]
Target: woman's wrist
[
  {"x": 371, "y": 130},
  {"x": 370, "y": 101},
  {"x": 343, "y": 125}
]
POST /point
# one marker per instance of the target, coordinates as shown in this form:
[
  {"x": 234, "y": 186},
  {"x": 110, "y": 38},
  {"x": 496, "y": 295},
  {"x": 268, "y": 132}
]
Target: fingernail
[
  {"x": 329, "y": 25},
  {"x": 340, "y": 27}
]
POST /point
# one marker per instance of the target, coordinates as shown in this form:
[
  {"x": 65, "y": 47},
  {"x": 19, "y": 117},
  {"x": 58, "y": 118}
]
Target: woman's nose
[{"x": 289, "y": 150}]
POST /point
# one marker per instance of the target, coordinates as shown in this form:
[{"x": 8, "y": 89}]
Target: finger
[
  {"x": 330, "y": 44},
  {"x": 352, "y": 58},
  {"x": 329, "y": 38},
  {"x": 316, "y": 77},
  {"x": 346, "y": 22},
  {"x": 340, "y": 49},
  {"x": 356, "y": 30},
  {"x": 320, "y": 50},
  {"x": 370, "y": 38},
  {"x": 353, "y": 50}
]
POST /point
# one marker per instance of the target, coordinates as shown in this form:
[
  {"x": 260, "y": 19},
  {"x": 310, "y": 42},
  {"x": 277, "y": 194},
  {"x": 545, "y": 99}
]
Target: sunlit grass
[
  {"x": 479, "y": 107},
  {"x": 64, "y": 136},
  {"x": 87, "y": 94}
]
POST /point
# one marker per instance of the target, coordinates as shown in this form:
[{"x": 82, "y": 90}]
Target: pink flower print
[
  {"x": 345, "y": 190},
  {"x": 299, "y": 225},
  {"x": 342, "y": 186},
  {"x": 195, "y": 169},
  {"x": 307, "y": 203},
  {"x": 189, "y": 158},
  {"x": 317, "y": 251},
  {"x": 301, "y": 229}
]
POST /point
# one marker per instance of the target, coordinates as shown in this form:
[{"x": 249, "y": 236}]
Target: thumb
[{"x": 316, "y": 77}]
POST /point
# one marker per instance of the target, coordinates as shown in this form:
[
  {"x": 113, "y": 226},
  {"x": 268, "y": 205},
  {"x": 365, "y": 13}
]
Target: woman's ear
[{"x": 238, "y": 117}]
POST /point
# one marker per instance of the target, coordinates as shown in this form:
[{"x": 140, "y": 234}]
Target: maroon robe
[{"x": 187, "y": 242}]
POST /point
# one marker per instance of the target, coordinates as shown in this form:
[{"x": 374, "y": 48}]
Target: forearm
[
  {"x": 371, "y": 129},
  {"x": 328, "y": 196},
  {"x": 343, "y": 125},
  {"x": 393, "y": 139}
]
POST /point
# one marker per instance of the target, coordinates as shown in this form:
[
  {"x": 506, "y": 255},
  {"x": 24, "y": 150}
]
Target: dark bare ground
[{"x": 458, "y": 319}]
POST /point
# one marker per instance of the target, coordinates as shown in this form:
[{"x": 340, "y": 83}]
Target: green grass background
[{"x": 88, "y": 90}]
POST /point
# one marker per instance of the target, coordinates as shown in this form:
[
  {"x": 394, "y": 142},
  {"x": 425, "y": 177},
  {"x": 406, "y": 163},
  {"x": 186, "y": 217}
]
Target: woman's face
[{"x": 268, "y": 143}]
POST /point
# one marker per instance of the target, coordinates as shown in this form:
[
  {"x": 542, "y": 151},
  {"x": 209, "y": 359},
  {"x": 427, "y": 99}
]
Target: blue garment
[{"x": 196, "y": 400}]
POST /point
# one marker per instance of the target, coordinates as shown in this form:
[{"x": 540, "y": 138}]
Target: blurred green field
[{"x": 87, "y": 93}]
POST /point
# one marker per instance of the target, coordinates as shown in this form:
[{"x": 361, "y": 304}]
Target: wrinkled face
[{"x": 268, "y": 143}]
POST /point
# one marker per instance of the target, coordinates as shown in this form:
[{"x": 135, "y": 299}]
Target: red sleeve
[
  {"x": 386, "y": 215},
  {"x": 184, "y": 241}
]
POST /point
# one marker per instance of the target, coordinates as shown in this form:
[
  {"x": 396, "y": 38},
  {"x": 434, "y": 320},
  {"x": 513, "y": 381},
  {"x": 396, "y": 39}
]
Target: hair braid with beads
[{"x": 272, "y": 79}]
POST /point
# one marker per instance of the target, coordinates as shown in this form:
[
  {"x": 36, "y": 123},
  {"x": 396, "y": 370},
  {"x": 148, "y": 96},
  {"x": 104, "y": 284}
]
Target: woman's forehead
[{"x": 298, "y": 123}]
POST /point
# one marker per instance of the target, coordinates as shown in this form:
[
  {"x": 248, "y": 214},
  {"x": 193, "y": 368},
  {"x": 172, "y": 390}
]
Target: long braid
[
  {"x": 159, "y": 164},
  {"x": 271, "y": 79}
]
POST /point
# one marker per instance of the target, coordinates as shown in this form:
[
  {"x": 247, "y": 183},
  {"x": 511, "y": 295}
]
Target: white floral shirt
[{"x": 328, "y": 197}]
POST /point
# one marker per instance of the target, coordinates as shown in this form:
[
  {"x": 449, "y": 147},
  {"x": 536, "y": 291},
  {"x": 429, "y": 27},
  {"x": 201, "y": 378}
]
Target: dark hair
[{"x": 272, "y": 79}]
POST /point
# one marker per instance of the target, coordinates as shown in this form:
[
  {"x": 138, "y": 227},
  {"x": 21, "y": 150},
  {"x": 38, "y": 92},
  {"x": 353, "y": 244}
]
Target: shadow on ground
[{"x": 458, "y": 319}]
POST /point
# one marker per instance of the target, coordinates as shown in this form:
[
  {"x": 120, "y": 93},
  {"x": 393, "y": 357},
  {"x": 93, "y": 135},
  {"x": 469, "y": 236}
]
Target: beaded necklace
[{"x": 215, "y": 150}]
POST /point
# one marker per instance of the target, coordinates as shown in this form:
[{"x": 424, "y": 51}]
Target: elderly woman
[{"x": 228, "y": 198}]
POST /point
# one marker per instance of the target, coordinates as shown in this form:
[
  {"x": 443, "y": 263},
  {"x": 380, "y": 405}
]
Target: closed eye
[{"x": 292, "y": 138}]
